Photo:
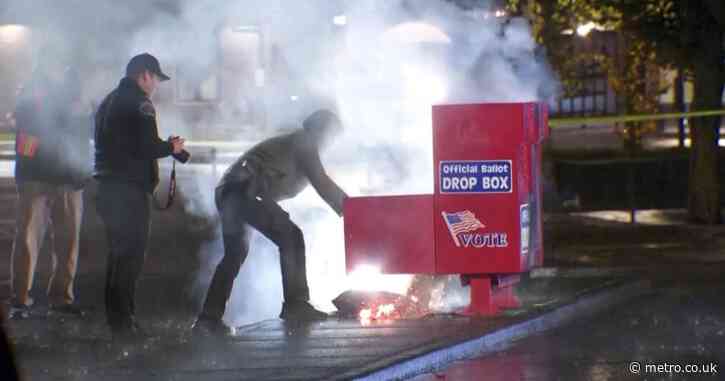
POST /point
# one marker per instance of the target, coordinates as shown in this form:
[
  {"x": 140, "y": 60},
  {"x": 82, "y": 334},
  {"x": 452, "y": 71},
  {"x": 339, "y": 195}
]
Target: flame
[
  {"x": 370, "y": 278},
  {"x": 386, "y": 310},
  {"x": 381, "y": 312},
  {"x": 366, "y": 314}
]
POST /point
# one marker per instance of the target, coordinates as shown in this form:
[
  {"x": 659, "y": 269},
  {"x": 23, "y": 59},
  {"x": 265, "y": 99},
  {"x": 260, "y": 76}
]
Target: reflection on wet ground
[
  {"x": 60, "y": 347},
  {"x": 678, "y": 325}
]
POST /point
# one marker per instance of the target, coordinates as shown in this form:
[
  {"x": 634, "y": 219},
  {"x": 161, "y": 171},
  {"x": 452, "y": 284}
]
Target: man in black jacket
[
  {"x": 126, "y": 167},
  {"x": 51, "y": 168},
  {"x": 276, "y": 169}
]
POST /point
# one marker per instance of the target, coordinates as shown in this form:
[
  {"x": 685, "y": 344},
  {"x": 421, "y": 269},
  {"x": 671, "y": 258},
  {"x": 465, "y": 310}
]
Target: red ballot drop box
[{"x": 483, "y": 220}]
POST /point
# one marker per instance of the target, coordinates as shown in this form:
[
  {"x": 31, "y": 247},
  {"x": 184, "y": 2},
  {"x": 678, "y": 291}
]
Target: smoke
[{"x": 382, "y": 64}]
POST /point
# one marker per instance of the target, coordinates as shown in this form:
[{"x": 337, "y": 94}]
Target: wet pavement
[
  {"x": 605, "y": 239},
  {"x": 60, "y": 347},
  {"x": 680, "y": 321},
  {"x": 681, "y": 325}
]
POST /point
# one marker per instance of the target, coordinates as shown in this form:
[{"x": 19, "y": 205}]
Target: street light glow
[
  {"x": 12, "y": 33},
  {"x": 340, "y": 20},
  {"x": 245, "y": 28},
  {"x": 584, "y": 29},
  {"x": 416, "y": 32}
]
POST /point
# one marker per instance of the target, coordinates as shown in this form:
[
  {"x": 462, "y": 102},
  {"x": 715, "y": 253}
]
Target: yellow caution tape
[
  {"x": 555, "y": 122},
  {"x": 599, "y": 120}
]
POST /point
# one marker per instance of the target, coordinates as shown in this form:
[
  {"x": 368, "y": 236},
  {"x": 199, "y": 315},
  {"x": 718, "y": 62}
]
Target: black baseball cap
[{"x": 143, "y": 62}]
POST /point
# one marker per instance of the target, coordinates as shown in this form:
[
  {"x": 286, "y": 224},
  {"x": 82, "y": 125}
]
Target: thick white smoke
[
  {"x": 384, "y": 82},
  {"x": 382, "y": 63}
]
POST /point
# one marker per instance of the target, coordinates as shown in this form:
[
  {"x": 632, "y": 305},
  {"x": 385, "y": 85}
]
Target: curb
[
  {"x": 584, "y": 272},
  {"x": 584, "y": 306}
]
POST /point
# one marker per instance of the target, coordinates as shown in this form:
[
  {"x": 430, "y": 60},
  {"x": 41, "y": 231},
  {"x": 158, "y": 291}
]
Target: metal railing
[{"x": 631, "y": 180}]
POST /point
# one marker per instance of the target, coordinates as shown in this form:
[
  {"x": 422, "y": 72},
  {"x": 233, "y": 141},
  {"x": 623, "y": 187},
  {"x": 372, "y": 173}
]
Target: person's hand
[
  {"x": 178, "y": 143},
  {"x": 340, "y": 210},
  {"x": 10, "y": 118}
]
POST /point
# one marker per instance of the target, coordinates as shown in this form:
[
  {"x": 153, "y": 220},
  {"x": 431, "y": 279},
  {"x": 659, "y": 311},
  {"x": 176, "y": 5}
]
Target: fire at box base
[
  {"x": 484, "y": 218},
  {"x": 377, "y": 305}
]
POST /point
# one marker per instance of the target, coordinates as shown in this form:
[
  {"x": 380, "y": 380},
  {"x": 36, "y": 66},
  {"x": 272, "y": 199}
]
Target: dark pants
[
  {"x": 125, "y": 210},
  {"x": 239, "y": 213}
]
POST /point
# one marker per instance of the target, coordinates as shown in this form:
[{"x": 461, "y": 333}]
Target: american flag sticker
[{"x": 461, "y": 222}]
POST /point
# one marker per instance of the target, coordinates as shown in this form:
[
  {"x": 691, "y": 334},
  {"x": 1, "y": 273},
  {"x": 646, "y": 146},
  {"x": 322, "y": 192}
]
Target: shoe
[
  {"x": 141, "y": 332},
  {"x": 68, "y": 309},
  {"x": 211, "y": 327},
  {"x": 19, "y": 311},
  {"x": 129, "y": 333},
  {"x": 301, "y": 311}
]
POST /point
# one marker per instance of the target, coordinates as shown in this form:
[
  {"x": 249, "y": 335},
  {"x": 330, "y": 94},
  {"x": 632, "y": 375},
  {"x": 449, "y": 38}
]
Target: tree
[
  {"x": 687, "y": 34},
  {"x": 683, "y": 34},
  {"x": 630, "y": 73},
  {"x": 553, "y": 23}
]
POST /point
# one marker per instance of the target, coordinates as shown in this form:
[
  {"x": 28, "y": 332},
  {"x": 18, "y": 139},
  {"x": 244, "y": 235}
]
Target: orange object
[{"x": 26, "y": 145}]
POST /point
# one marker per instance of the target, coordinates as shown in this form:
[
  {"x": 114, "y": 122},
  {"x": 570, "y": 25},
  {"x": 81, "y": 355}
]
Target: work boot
[
  {"x": 129, "y": 332},
  {"x": 127, "y": 340},
  {"x": 300, "y": 311},
  {"x": 205, "y": 326}
]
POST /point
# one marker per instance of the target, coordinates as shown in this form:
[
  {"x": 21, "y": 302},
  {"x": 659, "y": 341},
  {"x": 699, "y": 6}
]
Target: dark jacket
[
  {"x": 127, "y": 139},
  {"x": 51, "y": 142},
  {"x": 281, "y": 167}
]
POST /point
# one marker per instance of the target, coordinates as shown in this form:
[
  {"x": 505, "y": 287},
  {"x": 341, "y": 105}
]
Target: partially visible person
[
  {"x": 8, "y": 367},
  {"x": 126, "y": 167},
  {"x": 51, "y": 169},
  {"x": 247, "y": 198}
]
